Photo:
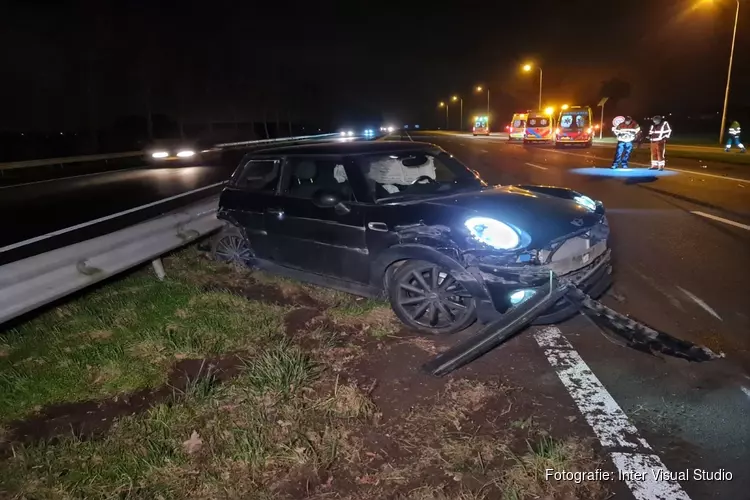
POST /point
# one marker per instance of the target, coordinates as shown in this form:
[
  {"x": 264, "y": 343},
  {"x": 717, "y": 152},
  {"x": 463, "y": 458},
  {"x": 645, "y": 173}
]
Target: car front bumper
[{"x": 583, "y": 260}]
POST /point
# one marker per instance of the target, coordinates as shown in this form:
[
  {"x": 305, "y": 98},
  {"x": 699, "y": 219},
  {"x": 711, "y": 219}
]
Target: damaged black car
[{"x": 408, "y": 222}]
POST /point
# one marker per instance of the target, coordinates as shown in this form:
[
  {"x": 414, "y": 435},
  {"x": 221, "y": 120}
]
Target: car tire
[
  {"x": 230, "y": 246},
  {"x": 417, "y": 279}
]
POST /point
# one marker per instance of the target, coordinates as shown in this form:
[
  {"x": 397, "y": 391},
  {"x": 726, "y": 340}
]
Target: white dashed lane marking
[
  {"x": 537, "y": 166},
  {"x": 650, "y": 477}
]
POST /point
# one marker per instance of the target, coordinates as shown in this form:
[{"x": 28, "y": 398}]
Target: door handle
[{"x": 378, "y": 226}]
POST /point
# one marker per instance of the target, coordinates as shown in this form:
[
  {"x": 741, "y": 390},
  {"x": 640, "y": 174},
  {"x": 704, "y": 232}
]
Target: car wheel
[
  {"x": 230, "y": 246},
  {"x": 426, "y": 298}
]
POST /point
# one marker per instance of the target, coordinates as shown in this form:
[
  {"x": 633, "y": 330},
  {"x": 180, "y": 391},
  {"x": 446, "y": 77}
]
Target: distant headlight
[
  {"x": 493, "y": 233},
  {"x": 186, "y": 153},
  {"x": 350, "y": 133},
  {"x": 343, "y": 134},
  {"x": 390, "y": 129},
  {"x": 159, "y": 154},
  {"x": 585, "y": 202}
]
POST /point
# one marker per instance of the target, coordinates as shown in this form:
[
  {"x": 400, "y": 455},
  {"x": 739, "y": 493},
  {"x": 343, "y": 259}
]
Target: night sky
[{"x": 336, "y": 63}]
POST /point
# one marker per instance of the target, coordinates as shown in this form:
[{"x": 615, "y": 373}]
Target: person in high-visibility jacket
[
  {"x": 734, "y": 137},
  {"x": 659, "y": 132},
  {"x": 626, "y": 132}
]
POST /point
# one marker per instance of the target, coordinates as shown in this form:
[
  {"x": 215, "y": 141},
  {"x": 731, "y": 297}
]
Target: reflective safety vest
[
  {"x": 734, "y": 129},
  {"x": 625, "y": 132},
  {"x": 660, "y": 132}
]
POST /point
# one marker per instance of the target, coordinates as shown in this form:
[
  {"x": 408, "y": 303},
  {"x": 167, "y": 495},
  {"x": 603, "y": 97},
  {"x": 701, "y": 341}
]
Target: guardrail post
[{"x": 159, "y": 268}]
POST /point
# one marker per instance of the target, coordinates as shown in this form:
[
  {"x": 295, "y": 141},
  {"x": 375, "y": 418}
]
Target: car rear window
[{"x": 539, "y": 121}]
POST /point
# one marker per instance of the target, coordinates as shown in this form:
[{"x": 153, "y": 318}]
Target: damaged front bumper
[
  {"x": 590, "y": 271},
  {"x": 636, "y": 334}
]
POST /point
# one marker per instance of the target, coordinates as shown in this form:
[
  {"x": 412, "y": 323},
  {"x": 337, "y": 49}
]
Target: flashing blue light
[{"x": 494, "y": 233}]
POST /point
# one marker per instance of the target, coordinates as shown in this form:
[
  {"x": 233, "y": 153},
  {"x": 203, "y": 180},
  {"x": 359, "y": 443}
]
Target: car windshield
[
  {"x": 416, "y": 174},
  {"x": 519, "y": 123},
  {"x": 574, "y": 120},
  {"x": 539, "y": 121}
]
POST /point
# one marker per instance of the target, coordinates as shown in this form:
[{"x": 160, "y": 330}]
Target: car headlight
[
  {"x": 493, "y": 233},
  {"x": 585, "y": 202},
  {"x": 350, "y": 133},
  {"x": 185, "y": 153},
  {"x": 159, "y": 154},
  {"x": 343, "y": 134}
]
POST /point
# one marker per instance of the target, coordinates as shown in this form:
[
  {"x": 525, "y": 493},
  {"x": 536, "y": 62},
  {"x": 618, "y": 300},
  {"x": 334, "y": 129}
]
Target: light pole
[
  {"x": 729, "y": 75},
  {"x": 529, "y": 67},
  {"x": 447, "y": 122},
  {"x": 601, "y": 122},
  {"x": 461, "y": 123},
  {"x": 479, "y": 89}
]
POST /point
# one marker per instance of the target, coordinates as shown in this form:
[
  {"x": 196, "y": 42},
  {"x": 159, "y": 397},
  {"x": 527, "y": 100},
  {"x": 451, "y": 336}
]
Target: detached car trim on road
[{"x": 407, "y": 221}]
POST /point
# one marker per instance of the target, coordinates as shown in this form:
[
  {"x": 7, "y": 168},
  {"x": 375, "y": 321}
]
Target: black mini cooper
[{"x": 407, "y": 221}]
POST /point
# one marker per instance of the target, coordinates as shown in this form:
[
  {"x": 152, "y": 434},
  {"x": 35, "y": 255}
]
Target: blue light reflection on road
[{"x": 622, "y": 173}]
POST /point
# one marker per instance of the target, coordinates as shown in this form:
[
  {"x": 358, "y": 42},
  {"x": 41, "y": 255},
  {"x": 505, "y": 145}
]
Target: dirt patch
[
  {"x": 268, "y": 294},
  {"x": 299, "y": 320},
  {"x": 92, "y": 418}
]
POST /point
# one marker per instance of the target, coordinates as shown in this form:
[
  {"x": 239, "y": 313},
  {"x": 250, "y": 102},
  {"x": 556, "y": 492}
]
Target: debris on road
[{"x": 638, "y": 335}]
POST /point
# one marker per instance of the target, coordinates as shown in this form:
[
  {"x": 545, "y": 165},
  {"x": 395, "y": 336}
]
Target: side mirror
[{"x": 324, "y": 198}]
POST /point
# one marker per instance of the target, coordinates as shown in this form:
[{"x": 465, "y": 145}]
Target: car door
[
  {"x": 252, "y": 189},
  {"x": 328, "y": 241}
]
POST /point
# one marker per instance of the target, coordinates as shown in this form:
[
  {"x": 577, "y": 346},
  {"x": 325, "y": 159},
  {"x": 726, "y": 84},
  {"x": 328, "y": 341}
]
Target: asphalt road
[{"x": 681, "y": 272}]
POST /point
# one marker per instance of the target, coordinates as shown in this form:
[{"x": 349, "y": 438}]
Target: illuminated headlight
[
  {"x": 585, "y": 202},
  {"x": 493, "y": 233},
  {"x": 185, "y": 153},
  {"x": 159, "y": 154},
  {"x": 390, "y": 129},
  {"x": 350, "y": 133},
  {"x": 520, "y": 296},
  {"x": 343, "y": 134}
]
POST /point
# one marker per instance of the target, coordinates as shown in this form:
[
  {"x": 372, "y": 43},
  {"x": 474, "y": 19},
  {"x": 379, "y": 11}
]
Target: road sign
[
  {"x": 617, "y": 120},
  {"x": 604, "y": 99}
]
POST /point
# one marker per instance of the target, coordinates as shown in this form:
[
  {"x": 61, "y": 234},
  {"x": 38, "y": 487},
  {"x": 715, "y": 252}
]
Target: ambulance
[
  {"x": 540, "y": 127},
  {"x": 575, "y": 126},
  {"x": 517, "y": 126},
  {"x": 481, "y": 126}
]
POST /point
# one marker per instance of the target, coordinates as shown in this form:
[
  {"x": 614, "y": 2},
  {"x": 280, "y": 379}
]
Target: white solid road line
[
  {"x": 641, "y": 468},
  {"x": 691, "y": 172},
  {"x": 102, "y": 219},
  {"x": 537, "y": 166},
  {"x": 721, "y": 219}
]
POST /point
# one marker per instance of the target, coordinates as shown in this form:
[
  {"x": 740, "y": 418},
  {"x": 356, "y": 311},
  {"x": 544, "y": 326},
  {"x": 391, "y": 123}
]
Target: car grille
[{"x": 578, "y": 251}]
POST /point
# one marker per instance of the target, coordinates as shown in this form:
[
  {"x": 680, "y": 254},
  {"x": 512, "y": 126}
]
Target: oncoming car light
[
  {"x": 585, "y": 202},
  {"x": 159, "y": 154},
  {"x": 494, "y": 233},
  {"x": 185, "y": 153}
]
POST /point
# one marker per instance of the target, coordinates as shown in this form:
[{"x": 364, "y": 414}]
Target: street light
[
  {"x": 527, "y": 68},
  {"x": 479, "y": 89},
  {"x": 447, "y": 121},
  {"x": 565, "y": 106},
  {"x": 454, "y": 99},
  {"x": 729, "y": 73},
  {"x": 549, "y": 110}
]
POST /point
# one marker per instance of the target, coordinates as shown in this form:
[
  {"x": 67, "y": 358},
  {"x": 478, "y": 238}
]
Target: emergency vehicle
[
  {"x": 540, "y": 127},
  {"x": 517, "y": 126},
  {"x": 481, "y": 126},
  {"x": 575, "y": 126}
]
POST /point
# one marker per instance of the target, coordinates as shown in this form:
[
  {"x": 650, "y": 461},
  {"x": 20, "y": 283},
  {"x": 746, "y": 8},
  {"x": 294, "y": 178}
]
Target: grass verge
[{"x": 226, "y": 383}]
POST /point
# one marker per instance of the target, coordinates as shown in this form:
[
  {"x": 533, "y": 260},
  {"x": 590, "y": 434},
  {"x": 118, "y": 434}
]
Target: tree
[{"x": 616, "y": 89}]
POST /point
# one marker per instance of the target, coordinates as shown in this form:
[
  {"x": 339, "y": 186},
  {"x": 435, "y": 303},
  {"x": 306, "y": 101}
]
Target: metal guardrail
[
  {"x": 130, "y": 154},
  {"x": 36, "y": 281}
]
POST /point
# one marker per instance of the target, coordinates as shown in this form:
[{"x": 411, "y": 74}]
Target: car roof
[{"x": 347, "y": 148}]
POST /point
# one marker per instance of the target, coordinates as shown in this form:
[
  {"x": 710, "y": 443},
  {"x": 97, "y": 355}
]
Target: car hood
[{"x": 544, "y": 217}]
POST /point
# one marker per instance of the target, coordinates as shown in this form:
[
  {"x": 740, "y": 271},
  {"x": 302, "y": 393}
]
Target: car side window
[
  {"x": 259, "y": 175},
  {"x": 309, "y": 175}
]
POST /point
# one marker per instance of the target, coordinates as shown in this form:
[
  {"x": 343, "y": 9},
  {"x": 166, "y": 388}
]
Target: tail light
[{"x": 507, "y": 127}]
